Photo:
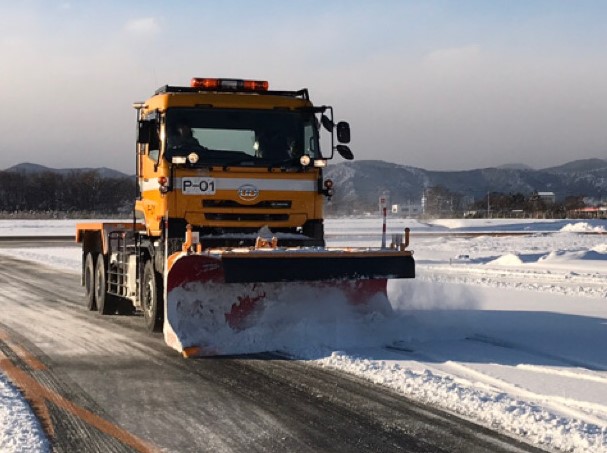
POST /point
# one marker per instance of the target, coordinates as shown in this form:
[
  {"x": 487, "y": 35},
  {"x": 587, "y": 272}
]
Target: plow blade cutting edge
[{"x": 210, "y": 295}]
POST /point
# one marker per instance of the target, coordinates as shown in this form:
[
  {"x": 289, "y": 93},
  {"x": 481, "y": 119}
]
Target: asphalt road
[{"x": 104, "y": 384}]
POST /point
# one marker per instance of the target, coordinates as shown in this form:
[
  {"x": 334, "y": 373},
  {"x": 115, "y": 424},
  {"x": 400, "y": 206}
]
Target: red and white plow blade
[{"x": 206, "y": 316}]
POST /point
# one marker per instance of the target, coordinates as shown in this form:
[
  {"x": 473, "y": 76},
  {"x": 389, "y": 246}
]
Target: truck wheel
[
  {"x": 151, "y": 298},
  {"x": 106, "y": 303},
  {"x": 89, "y": 282}
]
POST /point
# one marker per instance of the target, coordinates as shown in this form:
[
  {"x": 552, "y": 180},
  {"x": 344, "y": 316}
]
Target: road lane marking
[
  {"x": 35, "y": 399},
  {"x": 26, "y": 356},
  {"x": 39, "y": 394}
]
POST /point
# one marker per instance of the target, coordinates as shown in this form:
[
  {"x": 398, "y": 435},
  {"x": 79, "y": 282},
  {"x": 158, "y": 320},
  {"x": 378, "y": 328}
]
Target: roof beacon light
[
  {"x": 229, "y": 84},
  {"x": 256, "y": 85},
  {"x": 205, "y": 84}
]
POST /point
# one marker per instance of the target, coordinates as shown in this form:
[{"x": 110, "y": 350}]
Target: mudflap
[{"x": 203, "y": 312}]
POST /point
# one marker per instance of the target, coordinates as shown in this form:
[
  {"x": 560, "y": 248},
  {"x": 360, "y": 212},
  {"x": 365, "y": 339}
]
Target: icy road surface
[
  {"x": 506, "y": 331},
  {"x": 101, "y": 383}
]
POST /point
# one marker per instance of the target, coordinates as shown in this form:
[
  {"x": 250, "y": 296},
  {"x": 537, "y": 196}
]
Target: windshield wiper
[
  {"x": 290, "y": 162},
  {"x": 248, "y": 161}
]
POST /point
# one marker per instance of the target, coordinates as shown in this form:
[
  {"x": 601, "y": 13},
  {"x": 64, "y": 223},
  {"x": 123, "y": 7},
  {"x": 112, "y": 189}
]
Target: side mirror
[
  {"x": 344, "y": 152},
  {"x": 343, "y": 132},
  {"x": 326, "y": 123},
  {"x": 146, "y": 133}
]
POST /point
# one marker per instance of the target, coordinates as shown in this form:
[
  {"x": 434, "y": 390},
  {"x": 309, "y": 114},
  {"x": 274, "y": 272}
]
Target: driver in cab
[{"x": 182, "y": 141}]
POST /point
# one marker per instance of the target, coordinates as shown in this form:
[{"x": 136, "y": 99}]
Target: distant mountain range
[
  {"x": 28, "y": 168},
  {"x": 515, "y": 167},
  {"x": 363, "y": 181}
]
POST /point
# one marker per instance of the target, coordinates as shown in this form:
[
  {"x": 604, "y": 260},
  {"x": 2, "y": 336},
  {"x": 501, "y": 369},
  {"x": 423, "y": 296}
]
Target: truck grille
[
  {"x": 247, "y": 217},
  {"x": 268, "y": 204}
]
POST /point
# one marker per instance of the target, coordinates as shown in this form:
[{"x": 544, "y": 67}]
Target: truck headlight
[{"x": 193, "y": 158}]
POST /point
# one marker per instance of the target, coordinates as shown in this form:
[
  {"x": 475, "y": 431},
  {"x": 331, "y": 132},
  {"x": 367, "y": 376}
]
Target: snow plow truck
[{"x": 228, "y": 213}]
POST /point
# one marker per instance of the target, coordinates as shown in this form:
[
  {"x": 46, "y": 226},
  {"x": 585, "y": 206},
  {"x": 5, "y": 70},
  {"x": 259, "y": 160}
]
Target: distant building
[
  {"x": 546, "y": 197},
  {"x": 596, "y": 212},
  {"x": 407, "y": 209}
]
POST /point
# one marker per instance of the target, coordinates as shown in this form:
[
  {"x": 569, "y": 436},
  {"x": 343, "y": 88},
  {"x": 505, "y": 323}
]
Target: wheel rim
[
  {"x": 148, "y": 296},
  {"x": 99, "y": 283},
  {"x": 88, "y": 284}
]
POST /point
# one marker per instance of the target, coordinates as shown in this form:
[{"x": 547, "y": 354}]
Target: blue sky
[{"x": 435, "y": 84}]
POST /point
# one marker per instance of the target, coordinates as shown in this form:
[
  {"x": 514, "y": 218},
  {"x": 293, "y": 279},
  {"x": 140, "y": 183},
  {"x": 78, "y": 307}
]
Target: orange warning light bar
[{"x": 229, "y": 84}]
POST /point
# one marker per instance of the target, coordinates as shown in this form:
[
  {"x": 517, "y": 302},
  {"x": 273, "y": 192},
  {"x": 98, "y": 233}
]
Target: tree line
[
  {"x": 82, "y": 193},
  {"x": 500, "y": 204},
  {"x": 440, "y": 201},
  {"x": 75, "y": 191}
]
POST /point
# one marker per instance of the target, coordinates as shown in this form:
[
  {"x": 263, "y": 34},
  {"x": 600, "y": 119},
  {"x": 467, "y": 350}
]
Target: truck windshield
[{"x": 241, "y": 137}]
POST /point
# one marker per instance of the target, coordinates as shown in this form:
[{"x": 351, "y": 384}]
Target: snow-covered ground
[{"x": 508, "y": 331}]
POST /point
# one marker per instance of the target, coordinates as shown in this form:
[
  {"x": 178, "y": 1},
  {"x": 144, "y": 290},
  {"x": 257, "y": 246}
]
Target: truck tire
[
  {"x": 89, "y": 282},
  {"x": 151, "y": 298},
  {"x": 106, "y": 303}
]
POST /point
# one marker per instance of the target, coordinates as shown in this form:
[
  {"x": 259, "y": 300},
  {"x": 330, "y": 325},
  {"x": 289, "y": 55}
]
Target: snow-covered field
[{"x": 508, "y": 331}]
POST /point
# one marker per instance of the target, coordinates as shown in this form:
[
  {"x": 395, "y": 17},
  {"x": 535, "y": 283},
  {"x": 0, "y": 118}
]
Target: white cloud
[{"x": 143, "y": 26}]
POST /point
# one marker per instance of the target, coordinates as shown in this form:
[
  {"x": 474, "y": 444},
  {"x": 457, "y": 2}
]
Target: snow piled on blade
[
  {"x": 306, "y": 320},
  {"x": 294, "y": 317}
]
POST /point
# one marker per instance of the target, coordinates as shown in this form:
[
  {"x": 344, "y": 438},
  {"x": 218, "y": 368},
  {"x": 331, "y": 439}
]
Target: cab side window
[{"x": 153, "y": 142}]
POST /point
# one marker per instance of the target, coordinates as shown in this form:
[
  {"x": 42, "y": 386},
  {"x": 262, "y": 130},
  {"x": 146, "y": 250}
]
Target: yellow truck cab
[{"x": 229, "y": 157}]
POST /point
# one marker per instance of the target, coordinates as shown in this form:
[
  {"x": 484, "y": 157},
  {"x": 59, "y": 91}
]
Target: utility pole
[{"x": 488, "y": 205}]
